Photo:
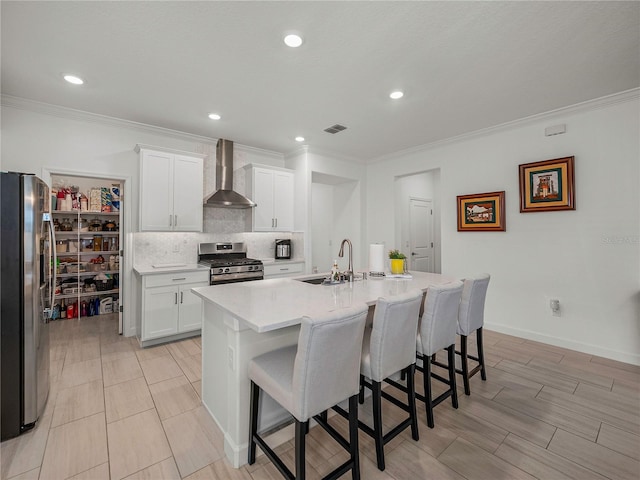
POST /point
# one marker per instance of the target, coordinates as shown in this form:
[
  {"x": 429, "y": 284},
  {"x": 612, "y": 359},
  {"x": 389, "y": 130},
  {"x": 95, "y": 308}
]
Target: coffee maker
[{"x": 283, "y": 249}]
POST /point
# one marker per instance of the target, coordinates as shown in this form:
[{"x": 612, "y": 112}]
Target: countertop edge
[{"x": 143, "y": 270}]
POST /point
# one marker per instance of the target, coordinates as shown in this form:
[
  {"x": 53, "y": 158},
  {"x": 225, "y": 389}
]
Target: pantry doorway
[{"x": 92, "y": 224}]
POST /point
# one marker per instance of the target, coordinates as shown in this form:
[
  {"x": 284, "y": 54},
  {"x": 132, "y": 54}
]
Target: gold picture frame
[
  {"x": 481, "y": 212},
  {"x": 547, "y": 186}
]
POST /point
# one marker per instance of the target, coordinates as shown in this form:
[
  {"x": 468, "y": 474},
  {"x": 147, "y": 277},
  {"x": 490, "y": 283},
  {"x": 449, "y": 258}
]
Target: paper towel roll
[{"x": 376, "y": 257}]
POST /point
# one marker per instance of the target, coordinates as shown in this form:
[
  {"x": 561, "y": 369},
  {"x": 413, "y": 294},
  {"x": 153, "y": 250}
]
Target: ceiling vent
[{"x": 335, "y": 128}]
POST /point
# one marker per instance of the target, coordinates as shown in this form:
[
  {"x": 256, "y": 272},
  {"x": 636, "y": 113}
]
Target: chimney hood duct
[{"x": 225, "y": 196}]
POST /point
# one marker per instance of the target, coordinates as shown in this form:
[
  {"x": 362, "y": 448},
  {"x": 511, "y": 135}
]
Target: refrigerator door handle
[{"x": 53, "y": 268}]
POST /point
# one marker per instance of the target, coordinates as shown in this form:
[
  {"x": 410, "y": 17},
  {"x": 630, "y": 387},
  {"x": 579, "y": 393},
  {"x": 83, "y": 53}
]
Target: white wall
[
  {"x": 587, "y": 258},
  {"x": 322, "y": 206},
  {"x": 306, "y": 162},
  {"x": 336, "y": 211}
]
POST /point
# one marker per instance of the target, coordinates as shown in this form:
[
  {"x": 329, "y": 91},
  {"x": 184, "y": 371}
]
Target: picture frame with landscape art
[
  {"x": 547, "y": 186},
  {"x": 481, "y": 212}
]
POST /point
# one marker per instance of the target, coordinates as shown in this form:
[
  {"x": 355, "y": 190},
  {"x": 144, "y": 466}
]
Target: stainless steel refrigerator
[{"x": 26, "y": 286}]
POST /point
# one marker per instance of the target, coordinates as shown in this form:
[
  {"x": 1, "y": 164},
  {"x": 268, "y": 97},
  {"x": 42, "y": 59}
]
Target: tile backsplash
[{"x": 152, "y": 248}]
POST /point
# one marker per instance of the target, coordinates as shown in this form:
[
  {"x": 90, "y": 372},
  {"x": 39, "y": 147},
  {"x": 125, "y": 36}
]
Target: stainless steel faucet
[{"x": 349, "y": 272}]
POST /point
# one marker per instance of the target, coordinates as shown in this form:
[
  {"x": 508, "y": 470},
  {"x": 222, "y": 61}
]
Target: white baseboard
[{"x": 626, "y": 357}]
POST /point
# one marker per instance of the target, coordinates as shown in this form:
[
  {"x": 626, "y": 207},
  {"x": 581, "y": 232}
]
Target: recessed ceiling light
[
  {"x": 214, "y": 116},
  {"x": 299, "y": 139},
  {"x": 73, "y": 79},
  {"x": 396, "y": 95},
  {"x": 292, "y": 40}
]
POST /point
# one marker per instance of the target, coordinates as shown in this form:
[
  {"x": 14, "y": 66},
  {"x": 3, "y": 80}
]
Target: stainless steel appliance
[
  {"x": 229, "y": 263},
  {"x": 283, "y": 249},
  {"x": 26, "y": 296},
  {"x": 224, "y": 195}
]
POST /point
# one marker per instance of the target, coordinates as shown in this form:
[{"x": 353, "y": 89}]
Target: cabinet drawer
[
  {"x": 283, "y": 269},
  {"x": 166, "y": 279}
]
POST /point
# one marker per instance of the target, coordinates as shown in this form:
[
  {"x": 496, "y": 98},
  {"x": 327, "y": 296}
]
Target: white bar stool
[
  {"x": 470, "y": 319},
  {"x": 307, "y": 379},
  {"x": 388, "y": 348},
  {"x": 437, "y": 331}
]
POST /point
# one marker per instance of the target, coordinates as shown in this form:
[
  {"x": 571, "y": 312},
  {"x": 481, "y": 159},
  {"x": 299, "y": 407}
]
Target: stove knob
[
  {"x": 226, "y": 270},
  {"x": 221, "y": 270},
  {"x": 250, "y": 268}
]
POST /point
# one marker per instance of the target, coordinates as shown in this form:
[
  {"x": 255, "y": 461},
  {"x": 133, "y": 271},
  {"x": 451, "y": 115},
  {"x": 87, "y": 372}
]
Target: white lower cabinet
[
  {"x": 169, "y": 308},
  {"x": 281, "y": 269}
]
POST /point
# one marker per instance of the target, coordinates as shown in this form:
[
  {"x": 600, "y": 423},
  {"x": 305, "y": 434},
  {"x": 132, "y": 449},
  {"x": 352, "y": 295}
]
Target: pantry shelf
[
  {"x": 88, "y": 294},
  {"x": 86, "y": 274}
]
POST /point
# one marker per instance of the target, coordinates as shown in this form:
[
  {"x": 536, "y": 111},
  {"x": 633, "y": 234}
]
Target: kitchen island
[{"x": 243, "y": 320}]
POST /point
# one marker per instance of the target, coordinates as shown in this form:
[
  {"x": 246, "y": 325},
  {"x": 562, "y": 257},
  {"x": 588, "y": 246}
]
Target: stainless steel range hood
[{"x": 225, "y": 196}]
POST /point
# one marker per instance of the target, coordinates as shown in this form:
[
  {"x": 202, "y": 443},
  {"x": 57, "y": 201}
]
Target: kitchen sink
[
  {"x": 313, "y": 281},
  {"x": 321, "y": 280}
]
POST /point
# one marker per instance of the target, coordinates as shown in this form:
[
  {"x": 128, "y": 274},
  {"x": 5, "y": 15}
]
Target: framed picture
[
  {"x": 481, "y": 212},
  {"x": 547, "y": 186}
]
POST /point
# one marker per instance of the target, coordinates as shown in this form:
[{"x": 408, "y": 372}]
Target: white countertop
[
  {"x": 168, "y": 268},
  {"x": 281, "y": 302}
]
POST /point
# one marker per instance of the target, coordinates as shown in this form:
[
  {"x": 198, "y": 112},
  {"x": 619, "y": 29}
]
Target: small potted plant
[{"x": 397, "y": 261}]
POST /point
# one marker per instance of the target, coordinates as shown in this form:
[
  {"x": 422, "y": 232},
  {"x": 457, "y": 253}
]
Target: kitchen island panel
[
  {"x": 244, "y": 320},
  {"x": 225, "y": 383}
]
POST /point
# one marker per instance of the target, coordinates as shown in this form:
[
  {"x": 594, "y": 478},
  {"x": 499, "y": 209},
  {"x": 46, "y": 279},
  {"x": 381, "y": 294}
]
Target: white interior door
[{"x": 421, "y": 235}]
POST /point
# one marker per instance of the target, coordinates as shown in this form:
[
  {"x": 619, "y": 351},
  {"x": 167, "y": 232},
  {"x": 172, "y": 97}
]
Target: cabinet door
[
  {"x": 156, "y": 191},
  {"x": 190, "y": 317},
  {"x": 283, "y": 201},
  {"x": 160, "y": 315},
  {"x": 187, "y": 194},
  {"x": 263, "y": 196}
]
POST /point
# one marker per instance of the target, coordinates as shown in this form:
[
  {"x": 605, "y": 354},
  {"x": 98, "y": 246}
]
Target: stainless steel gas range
[{"x": 228, "y": 263}]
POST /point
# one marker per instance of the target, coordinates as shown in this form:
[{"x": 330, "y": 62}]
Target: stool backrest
[
  {"x": 471, "y": 313},
  {"x": 440, "y": 318},
  {"x": 393, "y": 338},
  {"x": 327, "y": 364}
]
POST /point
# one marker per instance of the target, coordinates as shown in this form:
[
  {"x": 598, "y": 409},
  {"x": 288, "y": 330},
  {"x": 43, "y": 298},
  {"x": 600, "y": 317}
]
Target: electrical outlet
[
  {"x": 176, "y": 248},
  {"x": 232, "y": 355},
  {"x": 554, "y": 304}
]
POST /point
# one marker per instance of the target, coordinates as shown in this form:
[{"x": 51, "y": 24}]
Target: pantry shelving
[{"x": 87, "y": 252}]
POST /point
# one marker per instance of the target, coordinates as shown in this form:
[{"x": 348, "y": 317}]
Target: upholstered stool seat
[
  {"x": 307, "y": 379},
  {"x": 471, "y": 319},
  {"x": 437, "y": 331},
  {"x": 388, "y": 348}
]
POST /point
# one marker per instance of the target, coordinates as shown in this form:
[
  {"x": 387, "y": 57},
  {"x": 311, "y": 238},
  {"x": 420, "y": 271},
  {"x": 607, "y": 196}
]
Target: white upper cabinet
[
  {"x": 171, "y": 190},
  {"x": 187, "y": 193},
  {"x": 272, "y": 190}
]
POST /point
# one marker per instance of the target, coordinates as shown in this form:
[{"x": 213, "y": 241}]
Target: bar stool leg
[
  {"x": 361, "y": 394},
  {"x": 376, "y": 393},
  {"x": 301, "y": 430},
  {"x": 452, "y": 375},
  {"x": 353, "y": 437},
  {"x": 483, "y": 372},
  {"x": 426, "y": 377},
  {"x": 465, "y": 364},
  {"x": 253, "y": 420},
  {"x": 411, "y": 391}
]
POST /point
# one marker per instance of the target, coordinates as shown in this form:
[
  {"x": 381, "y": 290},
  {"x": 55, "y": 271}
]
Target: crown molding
[
  {"x": 257, "y": 150},
  {"x": 81, "y": 115},
  {"x": 73, "y": 114},
  {"x": 589, "y": 105}
]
